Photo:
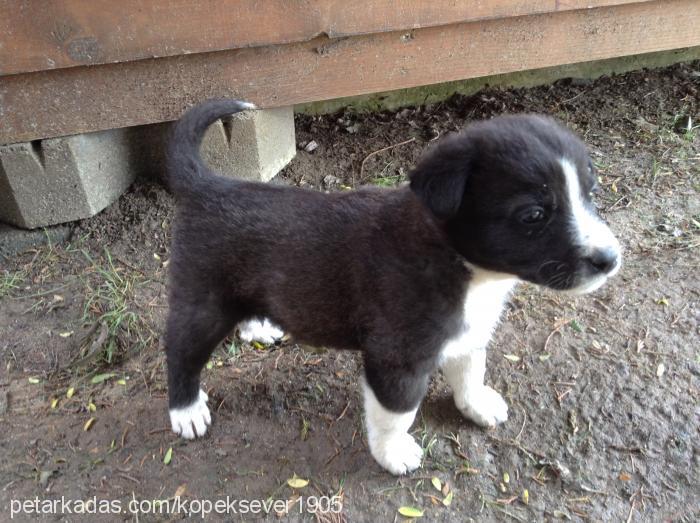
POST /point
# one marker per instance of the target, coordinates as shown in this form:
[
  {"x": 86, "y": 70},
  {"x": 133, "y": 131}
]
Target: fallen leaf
[
  {"x": 99, "y": 378},
  {"x": 91, "y": 407},
  {"x": 511, "y": 357},
  {"x": 297, "y": 482},
  {"x": 121, "y": 381},
  {"x": 448, "y": 499},
  {"x": 70, "y": 392},
  {"x": 506, "y": 477},
  {"x": 66, "y": 334},
  {"x": 436, "y": 483},
  {"x": 624, "y": 476},
  {"x": 181, "y": 490},
  {"x": 410, "y": 512},
  {"x": 54, "y": 403},
  {"x": 88, "y": 424},
  {"x": 526, "y": 497},
  {"x": 168, "y": 456},
  {"x": 33, "y": 381}
]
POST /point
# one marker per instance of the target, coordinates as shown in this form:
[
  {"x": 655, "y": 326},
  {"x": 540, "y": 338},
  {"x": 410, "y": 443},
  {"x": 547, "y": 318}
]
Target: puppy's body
[{"x": 414, "y": 277}]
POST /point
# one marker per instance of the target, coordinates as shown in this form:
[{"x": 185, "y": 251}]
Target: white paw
[
  {"x": 260, "y": 331},
  {"x": 485, "y": 407},
  {"x": 191, "y": 422},
  {"x": 399, "y": 454}
]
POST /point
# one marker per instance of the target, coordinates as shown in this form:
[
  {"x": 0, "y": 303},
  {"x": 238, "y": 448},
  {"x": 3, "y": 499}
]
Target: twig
[{"x": 374, "y": 153}]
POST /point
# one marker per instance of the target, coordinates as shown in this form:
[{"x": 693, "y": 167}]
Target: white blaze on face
[{"x": 592, "y": 234}]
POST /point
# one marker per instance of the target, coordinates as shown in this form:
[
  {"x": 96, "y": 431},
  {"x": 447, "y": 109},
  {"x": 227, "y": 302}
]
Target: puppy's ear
[{"x": 440, "y": 177}]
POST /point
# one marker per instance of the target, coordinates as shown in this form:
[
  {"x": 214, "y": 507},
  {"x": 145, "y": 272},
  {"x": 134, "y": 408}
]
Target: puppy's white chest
[{"x": 486, "y": 296}]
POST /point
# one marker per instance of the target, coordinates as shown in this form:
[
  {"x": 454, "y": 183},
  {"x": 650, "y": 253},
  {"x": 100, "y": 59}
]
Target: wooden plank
[
  {"x": 41, "y": 35},
  {"x": 81, "y": 99}
]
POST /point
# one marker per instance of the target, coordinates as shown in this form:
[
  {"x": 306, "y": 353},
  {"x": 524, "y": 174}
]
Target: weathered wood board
[
  {"x": 41, "y": 35},
  {"x": 82, "y": 99}
]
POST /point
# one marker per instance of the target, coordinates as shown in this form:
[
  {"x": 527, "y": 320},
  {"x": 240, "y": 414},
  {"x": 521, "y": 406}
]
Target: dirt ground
[{"x": 603, "y": 389}]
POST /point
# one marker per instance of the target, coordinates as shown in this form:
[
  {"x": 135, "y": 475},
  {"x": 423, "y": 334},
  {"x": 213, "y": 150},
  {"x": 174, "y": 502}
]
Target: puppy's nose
[{"x": 603, "y": 260}]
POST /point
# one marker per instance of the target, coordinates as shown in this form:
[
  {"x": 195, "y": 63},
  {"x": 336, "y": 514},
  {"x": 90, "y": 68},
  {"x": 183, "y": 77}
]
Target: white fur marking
[
  {"x": 191, "y": 422},
  {"x": 486, "y": 296},
  {"x": 261, "y": 331},
  {"x": 388, "y": 438},
  {"x": 464, "y": 357},
  {"x": 591, "y": 232}
]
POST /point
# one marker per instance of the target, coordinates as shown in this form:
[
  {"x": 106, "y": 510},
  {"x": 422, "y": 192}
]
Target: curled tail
[{"x": 184, "y": 166}]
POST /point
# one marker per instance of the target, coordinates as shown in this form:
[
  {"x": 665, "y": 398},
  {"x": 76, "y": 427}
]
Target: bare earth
[{"x": 603, "y": 389}]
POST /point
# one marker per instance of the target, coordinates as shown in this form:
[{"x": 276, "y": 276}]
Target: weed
[
  {"x": 109, "y": 303},
  {"x": 10, "y": 281}
]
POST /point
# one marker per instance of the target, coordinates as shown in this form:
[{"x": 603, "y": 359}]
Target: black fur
[{"x": 376, "y": 270}]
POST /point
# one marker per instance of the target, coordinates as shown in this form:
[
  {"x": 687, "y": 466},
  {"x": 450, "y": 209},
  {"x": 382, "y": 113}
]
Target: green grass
[
  {"x": 10, "y": 281},
  {"x": 110, "y": 302}
]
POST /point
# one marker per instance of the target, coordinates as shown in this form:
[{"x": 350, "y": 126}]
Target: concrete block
[
  {"x": 14, "y": 241},
  {"x": 63, "y": 179},
  {"x": 254, "y": 145},
  {"x": 57, "y": 180}
]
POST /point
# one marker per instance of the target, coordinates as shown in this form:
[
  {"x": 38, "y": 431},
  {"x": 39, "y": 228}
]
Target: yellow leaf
[
  {"x": 613, "y": 187},
  {"x": 121, "y": 382},
  {"x": 511, "y": 357},
  {"x": 526, "y": 497},
  {"x": 91, "y": 407},
  {"x": 181, "y": 490},
  {"x": 168, "y": 456},
  {"x": 297, "y": 482},
  {"x": 436, "y": 483},
  {"x": 448, "y": 499},
  {"x": 54, "y": 403},
  {"x": 70, "y": 392},
  {"x": 410, "y": 512},
  {"x": 88, "y": 424},
  {"x": 506, "y": 477},
  {"x": 66, "y": 334},
  {"x": 34, "y": 381}
]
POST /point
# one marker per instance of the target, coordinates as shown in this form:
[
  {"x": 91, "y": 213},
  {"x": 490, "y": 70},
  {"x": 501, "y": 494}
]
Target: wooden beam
[
  {"x": 83, "y": 99},
  {"x": 42, "y": 35}
]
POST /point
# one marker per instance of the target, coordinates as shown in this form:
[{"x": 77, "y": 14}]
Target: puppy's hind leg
[
  {"x": 476, "y": 401},
  {"x": 193, "y": 331},
  {"x": 391, "y": 399}
]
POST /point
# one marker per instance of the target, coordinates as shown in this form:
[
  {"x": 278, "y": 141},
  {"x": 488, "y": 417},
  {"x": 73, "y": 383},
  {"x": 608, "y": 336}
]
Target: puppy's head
[{"x": 515, "y": 196}]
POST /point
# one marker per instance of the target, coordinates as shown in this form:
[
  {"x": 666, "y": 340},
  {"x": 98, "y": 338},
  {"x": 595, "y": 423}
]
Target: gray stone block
[
  {"x": 57, "y": 180},
  {"x": 254, "y": 145},
  {"x": 63, "y": 179}
]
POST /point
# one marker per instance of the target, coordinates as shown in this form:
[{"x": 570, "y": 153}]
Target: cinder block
[
  {"x": 254, "y": 145},
  {"x": 57, "y": 180},
  {"x": 63, "y": 179}
]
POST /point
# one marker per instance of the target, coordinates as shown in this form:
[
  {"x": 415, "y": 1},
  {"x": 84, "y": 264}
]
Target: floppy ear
[{"x": 440, "y": 177}]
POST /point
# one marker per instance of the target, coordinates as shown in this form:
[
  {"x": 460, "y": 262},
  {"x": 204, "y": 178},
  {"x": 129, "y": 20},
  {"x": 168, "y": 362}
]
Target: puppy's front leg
[
  {"x": 476, "y": 401},
  {"x": 387, "y": 434}
]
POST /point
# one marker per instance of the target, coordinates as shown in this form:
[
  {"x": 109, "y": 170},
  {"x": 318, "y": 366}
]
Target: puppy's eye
[{"x": 532, "y": 215}]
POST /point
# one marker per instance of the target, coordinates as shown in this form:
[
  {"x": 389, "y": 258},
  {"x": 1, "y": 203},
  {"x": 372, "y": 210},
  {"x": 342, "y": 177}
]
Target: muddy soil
[{"x": 603, "y": 389}]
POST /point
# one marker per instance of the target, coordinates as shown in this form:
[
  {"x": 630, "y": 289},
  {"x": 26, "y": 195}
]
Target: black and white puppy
[{"x": 414, "y": 277}]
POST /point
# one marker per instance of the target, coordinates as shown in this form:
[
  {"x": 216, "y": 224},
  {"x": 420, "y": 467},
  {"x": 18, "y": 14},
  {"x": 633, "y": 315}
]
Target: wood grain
[
  {"x": 82, "y": 99},
  {"x": 38, "y": 35}
]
